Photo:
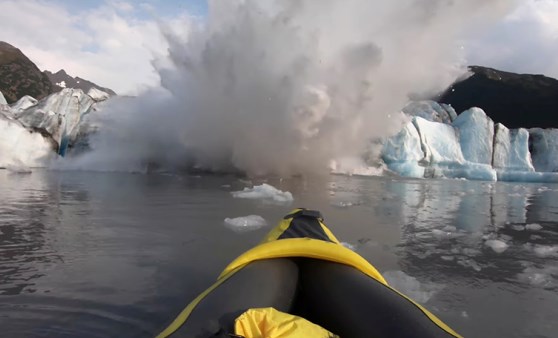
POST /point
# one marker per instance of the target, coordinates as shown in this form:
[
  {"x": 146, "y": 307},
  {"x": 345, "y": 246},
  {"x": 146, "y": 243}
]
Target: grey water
[{"x": 87, "y": 254}]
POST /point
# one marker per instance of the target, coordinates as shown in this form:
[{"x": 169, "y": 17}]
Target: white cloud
[
  {"x": 107, "y": 45},
  {"x": 115, "y": 43},
  {"x": 526, "y": 41}
]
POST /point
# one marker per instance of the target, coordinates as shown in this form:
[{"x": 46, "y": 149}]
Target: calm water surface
[{"x": 118, "y": 255}]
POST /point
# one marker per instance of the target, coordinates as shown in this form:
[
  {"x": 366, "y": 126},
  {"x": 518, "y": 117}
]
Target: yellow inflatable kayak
[{"x": 301, "y": 282}]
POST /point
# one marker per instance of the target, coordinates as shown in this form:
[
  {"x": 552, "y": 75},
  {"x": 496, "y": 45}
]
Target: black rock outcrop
[
  {"x": 515, "y": 100},
  {"x": 19, "y": 76}
]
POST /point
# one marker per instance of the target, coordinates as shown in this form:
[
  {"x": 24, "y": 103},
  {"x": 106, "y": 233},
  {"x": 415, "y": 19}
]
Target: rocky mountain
[
  {"x": 19, "y": 76},
  {"x": 515, "y": 100},
  {"x": 62, "y": 79}
]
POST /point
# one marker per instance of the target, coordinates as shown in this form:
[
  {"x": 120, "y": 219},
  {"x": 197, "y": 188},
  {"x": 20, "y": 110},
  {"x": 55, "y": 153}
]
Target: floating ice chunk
[
  {"x": 545, "y": 251},
  {"x": 540, "y": 277},
  {"x": 264, "y": 192},
  {"x": 518, "y": 227},
  {"x": 440, "y": 234},
  {"x": 345, "y": 204},
  {"x": 497, "y": 245},
  {"x": 449, "y": 228},
  {"x": 349, "y": 246},
  {"x": 410, "y": 286},
  {"x": 476, "y": 135},
  {"x": 469, "y": 263},
  {"x": 533, "y": 227},
  {"x": 245, "y": 224}
]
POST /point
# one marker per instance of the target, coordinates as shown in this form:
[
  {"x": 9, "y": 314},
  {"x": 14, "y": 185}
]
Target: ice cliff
[
  {"x": 437, "y": 143},
  {"x": 434, "y": 143},
  {"x": 32, "y": 132}
]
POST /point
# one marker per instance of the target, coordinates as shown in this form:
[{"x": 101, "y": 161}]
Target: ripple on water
[{"x": 44, "y": 316}]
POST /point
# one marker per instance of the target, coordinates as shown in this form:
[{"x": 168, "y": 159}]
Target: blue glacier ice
[
  {"x": 476, "y": 134},
  {"x": 60, "y": 114},
  {"x": 437, "y": 145},
  {"x": 439, "y": 155},
  {"x": 511, "y": 149},
  {"x": 403, "y": 152}
]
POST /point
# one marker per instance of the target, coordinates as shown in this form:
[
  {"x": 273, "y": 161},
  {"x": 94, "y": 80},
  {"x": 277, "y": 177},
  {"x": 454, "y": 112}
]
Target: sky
[{"x": 113, "y": 43}]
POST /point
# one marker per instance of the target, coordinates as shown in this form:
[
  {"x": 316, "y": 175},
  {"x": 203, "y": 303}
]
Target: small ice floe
[
  {"x": 449, "y": 228},
  {"x": 410, "y": 286},
  {"x": 440, "y": 234},
  {"x": 533, "y": 227},
  {"x": 545, "y": 251},
  {"x": 264, "y": 192},
  {"x": 345, "y": 204},
  {"x": 469, "y": 263},
  {"x": 497, "y": 245},
  {"x": 245, "y": 224},
  {"x": 540, "y": 277},
  {"x": 518, "y": 227},
  {"x": 349, "y": 246}
]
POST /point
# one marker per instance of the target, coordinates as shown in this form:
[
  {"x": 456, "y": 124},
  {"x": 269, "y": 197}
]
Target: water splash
[{"x": 269, "y": 87}]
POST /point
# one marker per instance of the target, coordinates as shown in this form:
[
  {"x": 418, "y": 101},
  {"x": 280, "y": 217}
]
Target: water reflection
[
  {"x": 446, "y": 225},
  {"x": 85, "y": 254},
  {"x": 26, "y": 251},
  {"x": 446, "y": 228}
]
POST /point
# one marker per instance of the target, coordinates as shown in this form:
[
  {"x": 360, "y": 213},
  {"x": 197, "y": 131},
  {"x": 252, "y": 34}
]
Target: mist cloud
[{"x": 282, "y": 87}]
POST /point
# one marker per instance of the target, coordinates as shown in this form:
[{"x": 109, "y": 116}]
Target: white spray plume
[{"x": 283, "y": 87}]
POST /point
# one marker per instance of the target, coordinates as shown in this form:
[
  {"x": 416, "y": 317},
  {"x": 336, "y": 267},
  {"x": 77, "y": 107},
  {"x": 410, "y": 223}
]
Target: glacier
[
  {"x": 33, "y": 132},
  {"x": 60, "y": 114},
  {"x": 476, "y": 134},
  {"x": 433, "y": 142},
  {"x": 23, "y": 147},
  {"x": 438, "y": 144}
]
